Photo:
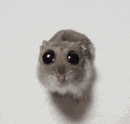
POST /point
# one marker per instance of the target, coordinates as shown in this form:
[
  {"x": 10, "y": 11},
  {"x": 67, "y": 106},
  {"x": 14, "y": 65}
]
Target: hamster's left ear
[
  {"x": 88, "y": 50},
  {"x": 44, "y": 43}
]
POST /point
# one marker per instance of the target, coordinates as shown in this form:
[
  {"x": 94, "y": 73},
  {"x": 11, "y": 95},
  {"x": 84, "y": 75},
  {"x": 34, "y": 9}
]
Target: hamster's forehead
[{"x": 63, "y": 47}]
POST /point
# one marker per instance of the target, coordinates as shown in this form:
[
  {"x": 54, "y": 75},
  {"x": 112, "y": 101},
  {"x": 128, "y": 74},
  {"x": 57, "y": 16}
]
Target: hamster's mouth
[{"x": 61, "y": 84}]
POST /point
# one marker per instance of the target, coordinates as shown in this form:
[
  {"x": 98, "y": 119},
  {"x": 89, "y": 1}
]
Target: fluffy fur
[{"x": 77, "y": 77}]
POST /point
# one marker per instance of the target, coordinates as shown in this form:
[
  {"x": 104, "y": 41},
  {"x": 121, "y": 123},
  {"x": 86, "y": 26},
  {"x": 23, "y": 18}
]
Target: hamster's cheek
[
  {"x": 51, "y": 80},
  {"x": 51, "y": 83},
  {"x": 70, "y": 76}
]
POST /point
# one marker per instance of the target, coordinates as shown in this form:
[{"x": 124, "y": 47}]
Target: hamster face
[{"x": 64, "y": 67}]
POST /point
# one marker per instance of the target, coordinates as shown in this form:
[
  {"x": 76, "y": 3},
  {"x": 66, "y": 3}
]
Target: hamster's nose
[
  {"x": 61, "y": 78},
  {"x": 61, "y": 69}
]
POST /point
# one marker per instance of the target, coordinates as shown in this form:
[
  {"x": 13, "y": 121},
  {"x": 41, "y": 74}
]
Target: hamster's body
[{"x": 66, "y": 63}]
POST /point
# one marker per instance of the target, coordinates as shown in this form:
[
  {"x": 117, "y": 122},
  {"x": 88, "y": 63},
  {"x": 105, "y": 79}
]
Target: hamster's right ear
[{"x": 88, "y": 49}]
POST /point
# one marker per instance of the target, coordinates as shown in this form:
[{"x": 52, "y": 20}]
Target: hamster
[{"x": 66, "y": 63}]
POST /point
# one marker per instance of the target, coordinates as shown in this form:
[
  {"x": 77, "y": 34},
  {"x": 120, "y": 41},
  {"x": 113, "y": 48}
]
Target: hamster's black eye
[
  {"x": 48, "y": 57},
  {"x": 73, "y": 57}
]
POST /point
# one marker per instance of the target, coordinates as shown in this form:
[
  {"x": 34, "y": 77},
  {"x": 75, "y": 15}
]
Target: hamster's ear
[
  {"x": 44, "y": 43},
  {"x": 88, "y": 50}
]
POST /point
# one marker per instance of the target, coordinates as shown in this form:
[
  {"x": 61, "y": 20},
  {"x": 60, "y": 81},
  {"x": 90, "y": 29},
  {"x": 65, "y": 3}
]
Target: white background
[{"x": 25, "y": 24}]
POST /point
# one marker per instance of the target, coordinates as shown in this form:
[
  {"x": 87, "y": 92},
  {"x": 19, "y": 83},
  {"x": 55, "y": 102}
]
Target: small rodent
[{"x": 66, "y": 63}]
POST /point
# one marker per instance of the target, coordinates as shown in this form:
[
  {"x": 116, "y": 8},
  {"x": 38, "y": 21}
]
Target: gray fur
[
  {"x": 70, "y": 85},
  {"x": 76, "y": 77}
]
